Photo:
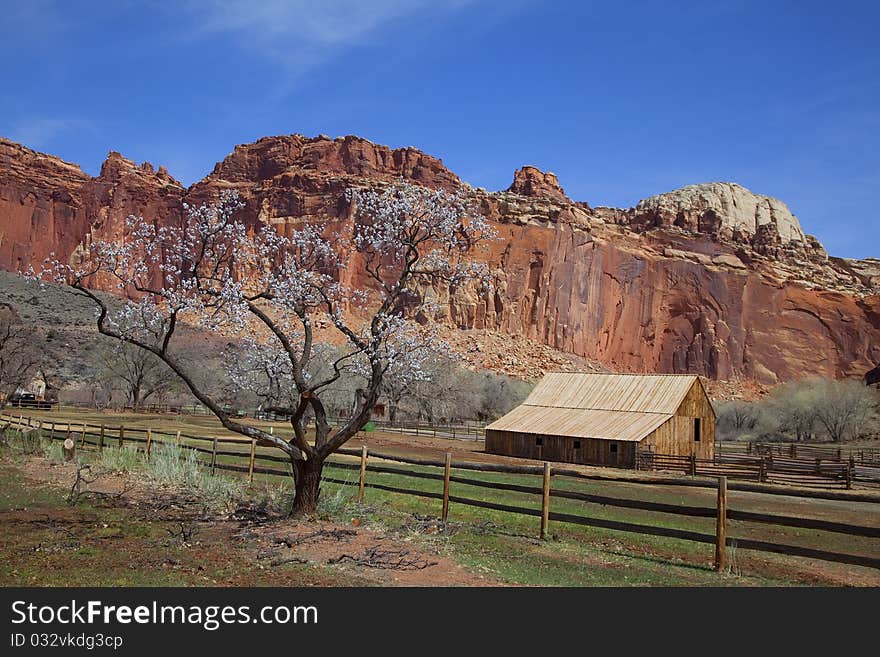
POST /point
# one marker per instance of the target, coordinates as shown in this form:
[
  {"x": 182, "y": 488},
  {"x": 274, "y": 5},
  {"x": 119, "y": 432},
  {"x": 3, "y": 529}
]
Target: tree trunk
[{"x": 307, "y": 484}]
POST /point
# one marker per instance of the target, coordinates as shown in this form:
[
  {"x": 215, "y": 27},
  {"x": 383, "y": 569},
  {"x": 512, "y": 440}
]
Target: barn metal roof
[{"x": 623, "y": 407}]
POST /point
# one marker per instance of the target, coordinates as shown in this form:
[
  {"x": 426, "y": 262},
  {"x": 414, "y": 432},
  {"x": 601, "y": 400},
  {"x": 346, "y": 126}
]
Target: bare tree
[
  {"x": 255, "y": 282},
  {"x": 802, "y": 409},
  {"x": 20, "y": 354},
  {"x": 737, "y": 418},
  {"x": 140, "y": 374},
  {"x": 844, "y": 408},
  {"x": 499, "y": 394},
  {"x": 792, "y": 409},
  {"x": 444, "y": 394}
]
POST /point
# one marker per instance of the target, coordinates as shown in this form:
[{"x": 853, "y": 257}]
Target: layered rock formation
[
  {"x": 717, "y": 209},
  {"x": 531, "y": 181},
  {"x": 710, "y": 279}
]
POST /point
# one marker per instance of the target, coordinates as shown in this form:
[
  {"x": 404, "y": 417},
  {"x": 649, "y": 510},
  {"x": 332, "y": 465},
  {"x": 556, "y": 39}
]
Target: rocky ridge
[{"x": 709, "y": 279}]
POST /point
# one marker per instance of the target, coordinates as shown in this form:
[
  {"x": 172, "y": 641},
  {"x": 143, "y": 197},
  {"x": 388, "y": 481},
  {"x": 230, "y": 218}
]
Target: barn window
[
  {"x": 613, "y": 448},
  {"x": 539, "y": 441},
  {"x": 577, "y": 444},
  {"x": 696, "y": 429}
]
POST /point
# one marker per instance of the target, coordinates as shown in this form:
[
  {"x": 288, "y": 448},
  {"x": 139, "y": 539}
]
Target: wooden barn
[{"x": 602, "y": 419}]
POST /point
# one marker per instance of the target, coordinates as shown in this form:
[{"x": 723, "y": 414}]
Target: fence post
[
  {"x": 545, "y": 501},
  {"x": 818, "y": 466},
  {"x": 363, "y": 479},
  {"x": 69, "y": 447},
  {"x": 762, "y": 470},
  {"x": 693, "y": 465},
  {"x": 67, "y": 435},
  {"x": 177, "y": 438},
  {"x": 121, "y": 435},
  {"x": 82, "y": 442},
  {"x": 749, "y": 448},
  {"x": 251, "y": 463},
  {"x": 214, "y": 457},
  {"x": 149, "y": 442},
  {"x": 101, "y": 439},
  {"x": 839, "y": 454},
  {"x": 721, "y": 526},
  {"x": 446, "y": 473},
  {"x": 849, "y": 475},
  {"x": 52, "y": 430}
]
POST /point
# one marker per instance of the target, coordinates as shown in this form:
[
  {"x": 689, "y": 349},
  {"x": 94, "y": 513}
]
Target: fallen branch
[
  {"x": 76, "y": 490},
  {"x": 335, "y": 534},
  {"x": 378, "y": 557},
  {"x": 254, "y": 513},
  {"x": 283, "y": 560},
  {"x": 184, "y": 532}
]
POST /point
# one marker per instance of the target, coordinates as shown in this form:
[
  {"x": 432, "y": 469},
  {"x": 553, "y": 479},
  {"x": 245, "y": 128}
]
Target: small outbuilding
[{"x": 603, "y": 419}]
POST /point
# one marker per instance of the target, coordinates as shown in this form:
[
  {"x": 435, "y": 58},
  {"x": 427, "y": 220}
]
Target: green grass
[
  {"x": 45, "y": 542},
  {"x": 505, "y": 545},
  {"x": 578, "y": 555}
]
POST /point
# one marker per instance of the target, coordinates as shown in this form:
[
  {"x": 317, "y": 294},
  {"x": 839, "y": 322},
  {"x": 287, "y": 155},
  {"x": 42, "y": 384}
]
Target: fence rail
[
  {"x": 827, "y": 452},
  {"x": 99, "y": 437},
  {"x": 814, "y": 472}
]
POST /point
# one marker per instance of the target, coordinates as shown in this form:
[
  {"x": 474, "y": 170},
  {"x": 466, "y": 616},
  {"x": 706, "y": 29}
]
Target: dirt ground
[
  {"x": 150, "y": 527},
  {"x": 162, "y": 530}
]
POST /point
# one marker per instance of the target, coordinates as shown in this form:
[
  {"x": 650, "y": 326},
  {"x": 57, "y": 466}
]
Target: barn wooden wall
[
  {"x": 676, "y": 436},
  {"x": 592, "y": 451}
]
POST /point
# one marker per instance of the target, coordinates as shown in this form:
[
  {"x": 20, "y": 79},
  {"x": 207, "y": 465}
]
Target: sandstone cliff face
[
  {"x": 51, "y": 206},
  {"x": 292, "y": 155},
  {"x": 39, "y": 205},
  {"x": 719, "y": 208},
  {"x": 531, "y": 181},
  {"x": 710, "y": 279}
]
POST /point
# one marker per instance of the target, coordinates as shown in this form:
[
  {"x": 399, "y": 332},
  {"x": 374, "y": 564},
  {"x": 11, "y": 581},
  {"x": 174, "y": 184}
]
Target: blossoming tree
[{"x": 268, "y": 289}]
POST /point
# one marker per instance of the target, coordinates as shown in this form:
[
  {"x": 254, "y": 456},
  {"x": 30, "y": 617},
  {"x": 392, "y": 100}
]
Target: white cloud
[
  {"x": 302, "y": 34},
  {"x": 38, "y": 132}
]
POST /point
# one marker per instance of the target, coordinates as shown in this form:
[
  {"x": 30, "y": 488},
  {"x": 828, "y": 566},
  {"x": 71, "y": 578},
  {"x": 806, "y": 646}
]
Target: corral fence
[
  {"x": 447, "y": 472},
  {"x": 147, "y": 408},
  {"x": 776, "y": 464},
  {"x": 460, "y": 430},
  {"x": 857, "y": 454}
]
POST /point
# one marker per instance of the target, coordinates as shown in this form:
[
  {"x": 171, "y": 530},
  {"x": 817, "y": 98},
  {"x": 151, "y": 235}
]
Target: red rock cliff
[{"x": 681, "y": 283}]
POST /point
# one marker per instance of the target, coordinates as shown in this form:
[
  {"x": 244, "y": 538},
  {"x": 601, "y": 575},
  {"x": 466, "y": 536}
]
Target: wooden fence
[
  {"x": 454, "y": 431},
  {"x": 769, "y": 467},
  {"x": 828, "y": 452},
  {"x": 449, "y": 472}
]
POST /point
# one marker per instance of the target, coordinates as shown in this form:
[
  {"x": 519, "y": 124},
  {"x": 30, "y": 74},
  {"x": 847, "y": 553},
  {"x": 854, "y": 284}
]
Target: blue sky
[{"x": 621, "y": 100}]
